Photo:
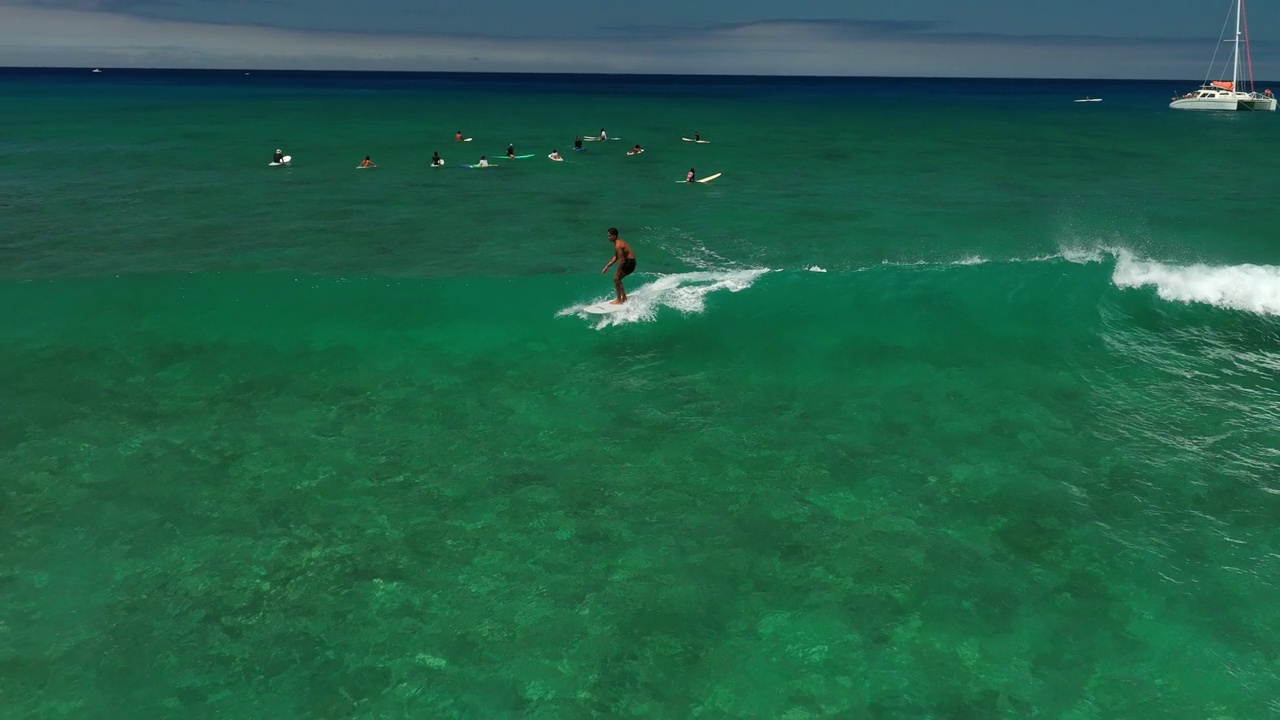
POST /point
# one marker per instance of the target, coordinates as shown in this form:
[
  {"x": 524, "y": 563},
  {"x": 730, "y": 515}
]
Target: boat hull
[
  {"x": 1266, "y": 104},
  {"x": 1229, "y": 102},
  {"x": 1204, "y": 104}
]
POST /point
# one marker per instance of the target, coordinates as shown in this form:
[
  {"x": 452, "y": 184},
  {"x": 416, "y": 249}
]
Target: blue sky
[{"x": 1166, "y": 39}]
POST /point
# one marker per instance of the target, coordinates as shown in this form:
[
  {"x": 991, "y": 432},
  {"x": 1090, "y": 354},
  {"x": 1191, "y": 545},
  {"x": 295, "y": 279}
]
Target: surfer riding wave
[{"x": 626, "y": 259}]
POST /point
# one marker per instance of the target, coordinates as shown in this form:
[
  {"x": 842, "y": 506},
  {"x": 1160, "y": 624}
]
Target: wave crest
[{"x": 1252, "y": 288}]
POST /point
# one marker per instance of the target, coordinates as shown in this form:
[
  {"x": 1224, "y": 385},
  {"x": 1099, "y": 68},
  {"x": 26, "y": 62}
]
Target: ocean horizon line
[{"x": 481, "y": 74}]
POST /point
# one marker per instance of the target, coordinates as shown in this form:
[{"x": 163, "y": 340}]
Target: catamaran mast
[{"x": 1235, "y": 52}]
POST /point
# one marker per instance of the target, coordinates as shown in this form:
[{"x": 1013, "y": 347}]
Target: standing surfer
[{"x": 626, "y": 259}]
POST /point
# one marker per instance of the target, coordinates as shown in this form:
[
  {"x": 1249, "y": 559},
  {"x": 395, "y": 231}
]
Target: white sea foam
[
  {"x": 1252, "y": 288},
  {"x": 686, "y": 292},
  {"x": 815, "y": 268},
  {"x": 1084, "y": 256}
]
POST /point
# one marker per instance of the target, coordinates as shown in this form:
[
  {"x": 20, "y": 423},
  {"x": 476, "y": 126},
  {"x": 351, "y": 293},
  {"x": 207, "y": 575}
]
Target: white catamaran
[{"x": 1226, "y": 94}]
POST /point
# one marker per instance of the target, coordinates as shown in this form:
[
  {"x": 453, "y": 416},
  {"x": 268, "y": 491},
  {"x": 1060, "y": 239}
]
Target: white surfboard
[
  {"x": 366, "y": 167},
  {"x": 700, "y": 142},
  {"x": 557, "y": 159},
  {"x": 467, "y": 139},
  {"x": 285, "y": 161},
  {"x": 709, "y": 178},
  {"x": 1089, "y": 99},
  {"x": 604, "y": 307},
  {"x": 635, "y": 152}
]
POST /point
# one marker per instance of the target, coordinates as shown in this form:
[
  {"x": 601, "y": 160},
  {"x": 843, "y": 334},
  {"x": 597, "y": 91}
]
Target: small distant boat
[
  {"x": 96, "y": 70},
  {"x": 1223, "y": 94},
  {"x": 1088, "y": 99}
]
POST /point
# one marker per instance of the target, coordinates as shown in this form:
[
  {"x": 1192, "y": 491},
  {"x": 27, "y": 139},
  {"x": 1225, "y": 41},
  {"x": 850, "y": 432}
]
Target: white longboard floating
[{"x": 284, "y": 161}]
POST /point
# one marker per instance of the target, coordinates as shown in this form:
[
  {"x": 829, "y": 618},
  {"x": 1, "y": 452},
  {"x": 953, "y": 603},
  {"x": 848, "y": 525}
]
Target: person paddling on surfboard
[
  {"x": 626, "y": 259},
  {"x": 577, "y": 143},
  {"x": 511, "y": 150},
  {"x": 696, "y": 136},
  {"x": 366, "y": 162},
  {"x": 436, "y": 159},
  {"x": 603, "y": 136},
  {"x": 689, "y": 177},
  {"x": 278, "y": 157}
]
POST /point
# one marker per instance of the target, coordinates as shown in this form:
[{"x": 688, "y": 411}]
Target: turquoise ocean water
[{"x": 949, "y": 399}]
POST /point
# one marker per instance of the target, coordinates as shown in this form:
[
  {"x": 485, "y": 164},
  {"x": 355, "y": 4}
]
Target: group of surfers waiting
[{"x": 437, "y": 161}]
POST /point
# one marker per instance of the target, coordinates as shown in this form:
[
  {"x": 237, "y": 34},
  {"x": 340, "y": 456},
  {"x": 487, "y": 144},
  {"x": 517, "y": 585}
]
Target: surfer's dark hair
[{"x": 613, "y": 232}]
